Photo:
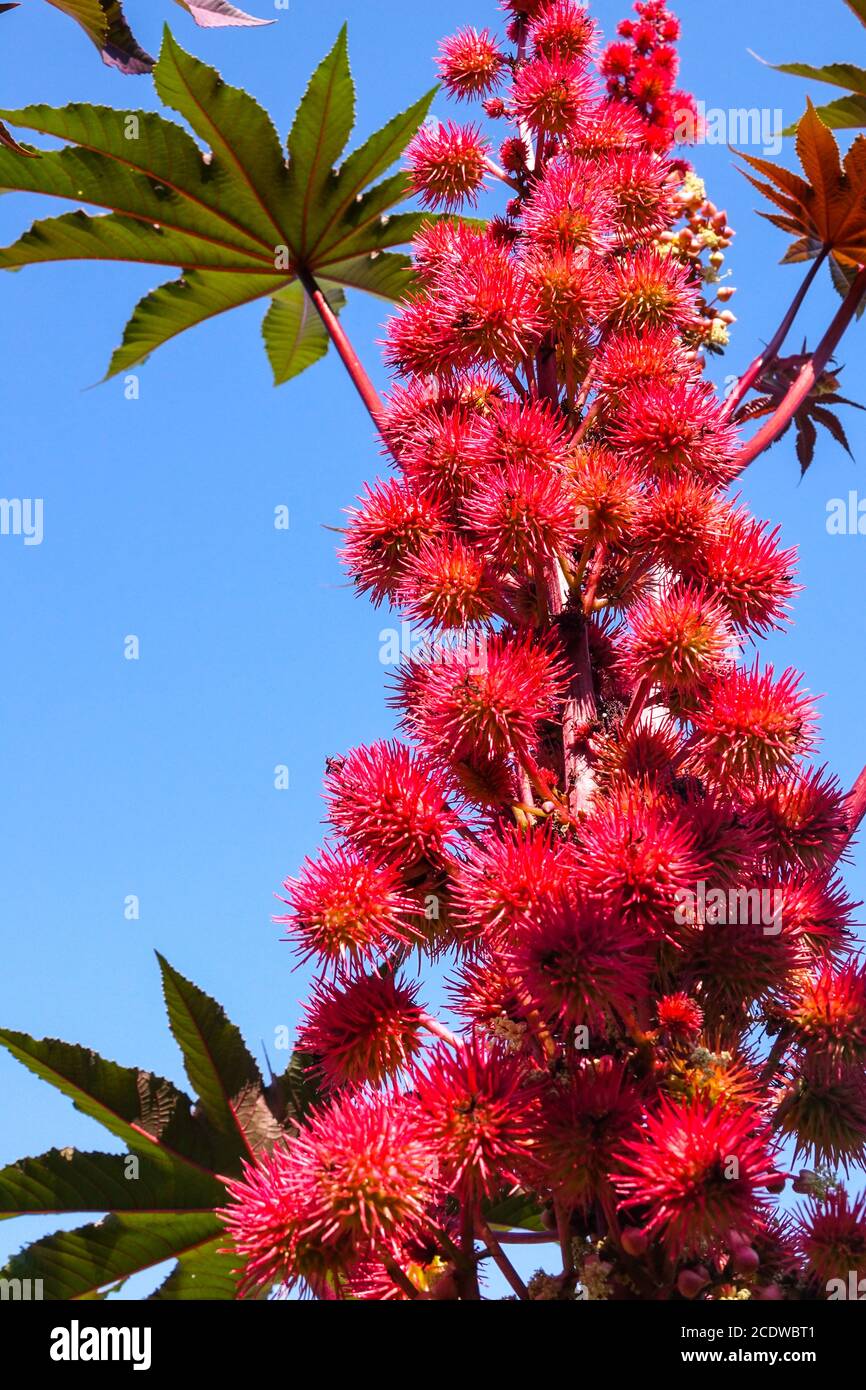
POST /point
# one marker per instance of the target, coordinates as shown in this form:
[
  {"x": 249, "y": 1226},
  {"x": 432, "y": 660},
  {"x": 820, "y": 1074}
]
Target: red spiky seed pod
[
  {"x": 564, "y": 30},
  {"x": 646, "y": 291},
  {"x": 800, "y": 822},
  {"x": 744, "y": 565},
  {"x": 344, "y": 907},
  {"x": 520, "y": 515},
  {"x": 476, "y": 1109},
  {"x": 580, "y": 963},
  {"x": 470, "y": 63},
  {"x": 831, "y": 1238},
  {"x": 753, "y": 725},
  {"x": 550, "y": 93},
  {"x": 449, "y": 584},
  {"x": 361, "y": 1028},
  {"x": 489, "y": 699},
  {"x": 696, "y": 1170},
  {"x": 826, "y": 1012},
  {"x": 447, "y": 164},
  {"x": 667, "y": 429},
  {"x": 640, "y": 857},
  {"x": 678, "y": 638},
  {"x": 390, "y": 525},
  {"x": 583, "y": 1118},
  {"x": 503, "y": 881},
  {"x": 392, "y": 805},
  {"x": 353, "y": 1181}
]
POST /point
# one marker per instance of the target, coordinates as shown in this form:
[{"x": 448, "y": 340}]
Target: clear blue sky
[{"x": 155, "y": 777}]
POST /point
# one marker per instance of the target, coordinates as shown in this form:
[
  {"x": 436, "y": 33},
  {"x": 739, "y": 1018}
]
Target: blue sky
[{"x": 155, "y": 777}]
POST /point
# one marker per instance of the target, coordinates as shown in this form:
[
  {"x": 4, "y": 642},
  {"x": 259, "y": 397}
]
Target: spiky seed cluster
[{"x": 602, "y": 811}]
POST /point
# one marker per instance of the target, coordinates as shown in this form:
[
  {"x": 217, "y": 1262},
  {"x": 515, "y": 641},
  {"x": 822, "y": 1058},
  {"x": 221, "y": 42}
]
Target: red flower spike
[
  {"x": 609, "y": 821},
  {"x": 680, "y": 1017}
]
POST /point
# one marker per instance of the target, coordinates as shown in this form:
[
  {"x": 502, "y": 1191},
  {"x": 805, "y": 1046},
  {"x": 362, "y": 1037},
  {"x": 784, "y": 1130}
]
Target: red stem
[
  {"x": 806, "y": 379},
  {"x": 771, "y": 351},
  {"x": 501, "y": 1260},
  {"x": 351, "y": 361},
  {"x": 857, "y": 804}
]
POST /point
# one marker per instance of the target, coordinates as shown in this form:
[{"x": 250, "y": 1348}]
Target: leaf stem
[
  {"x": 501, "y": 1260},
  {"x": 806, "y": 379},
  {"x": 856, "y": 804},
  {"x": 350, "y": 359},
  {"x": 771, "y": 351}
]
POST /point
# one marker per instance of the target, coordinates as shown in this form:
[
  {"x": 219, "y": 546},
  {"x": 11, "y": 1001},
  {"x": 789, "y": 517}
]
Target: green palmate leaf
[
  {"x": 320, "y": 130},
  {"x": 67, "y": 1180},
  {"x": 146, "y": 1112},
  {"x": 181, "y": 304},
  {"x": 218, "y": 1064},
  {"x": 205, "y": 1273},
  {"x": 294, "y": 335},
  {"x": 845, "y": 75},
  {"x": 236, "y": 219},
  {"x": 78, "y": 1264},
  {"x": 294, "y": 1094},
  {"x": 848, "y": 113},
  {"x": 162, "y": 1195},
  {"x": 519, "y": 1211},
  {"x": 10, "y": 143}
]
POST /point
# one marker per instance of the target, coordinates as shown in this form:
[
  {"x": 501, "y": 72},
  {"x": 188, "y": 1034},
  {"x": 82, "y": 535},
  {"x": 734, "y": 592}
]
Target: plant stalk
[
  {"x": 771, "y": 351},
  {"x": 806, "y": 380},
  {"x": 350, "y": 359}
]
